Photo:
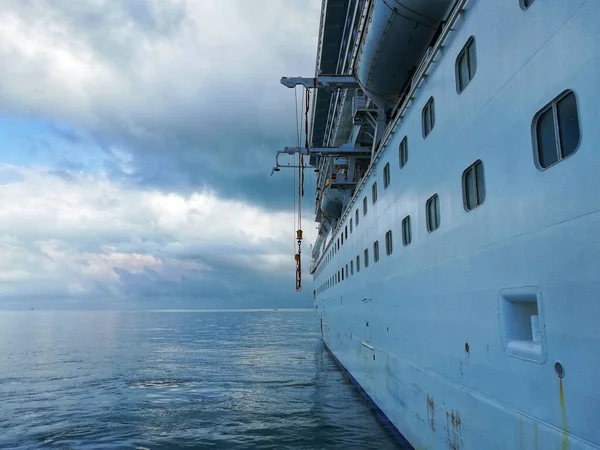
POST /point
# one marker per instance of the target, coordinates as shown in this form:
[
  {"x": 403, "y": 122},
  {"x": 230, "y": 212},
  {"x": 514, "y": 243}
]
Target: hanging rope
[
  {"x": 301, "y": 166},
  {"x": 306, "y": 120}
]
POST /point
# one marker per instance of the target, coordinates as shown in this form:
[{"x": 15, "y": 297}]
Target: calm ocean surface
[{"x": 167, "y": 380}]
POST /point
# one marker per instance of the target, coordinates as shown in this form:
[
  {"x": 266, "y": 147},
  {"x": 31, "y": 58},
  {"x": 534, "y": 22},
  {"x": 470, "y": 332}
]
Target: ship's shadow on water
[{"x": 169, "y": 380}]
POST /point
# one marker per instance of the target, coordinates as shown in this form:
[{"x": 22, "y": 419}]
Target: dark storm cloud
[{"x": 189, "y": 90}]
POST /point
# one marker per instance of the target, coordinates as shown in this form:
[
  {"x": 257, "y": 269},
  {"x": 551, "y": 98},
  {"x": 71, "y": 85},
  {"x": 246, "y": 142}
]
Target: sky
[{"x": 136, "y": 142}]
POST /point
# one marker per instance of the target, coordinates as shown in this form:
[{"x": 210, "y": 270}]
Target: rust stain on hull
[
  {"x": 431, "y": 412},
  {"x": 453, "y": 429},
  {"x": 563, "y": 413}
]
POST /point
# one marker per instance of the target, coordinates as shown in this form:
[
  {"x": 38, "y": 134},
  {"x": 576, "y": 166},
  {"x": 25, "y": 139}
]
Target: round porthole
[{"x": 560, "y": 370}]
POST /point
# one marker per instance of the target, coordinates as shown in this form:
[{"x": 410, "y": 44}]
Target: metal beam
[{"x": 322, "y": 82}]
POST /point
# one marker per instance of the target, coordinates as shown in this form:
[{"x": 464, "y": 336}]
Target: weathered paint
[
  {"x": 536, "y": 228},
  {"x": 453, "y": 430},
  {"x": 431, "y": 412},
  {"x": 563, "y": 414}
]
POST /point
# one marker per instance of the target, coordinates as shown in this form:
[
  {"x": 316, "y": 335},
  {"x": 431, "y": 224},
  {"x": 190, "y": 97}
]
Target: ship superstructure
[{"x": 456, "y": 267}]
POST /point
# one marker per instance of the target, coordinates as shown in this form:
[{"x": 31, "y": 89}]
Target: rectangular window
[
  {"x": 339, "y": 276},
  {"x": 365, "y": 206},
  {"x": 473, "y": 186},
  {"x": 406, "y": 231},
  {"x": 357, "y": 263},
  {"x": 557, "y": 132},
  {"x": 386, "y": 176},
  {"x": 376, "y": 251},
  {"x": 433, "y": 213},
  {"x": 351, "y": 267},
  {"x": 366, "y": 257},
  {"x": 403, "y": 152},
  {"x": 342, "y": 236},
  {"x": 346, "y": 270},
  {"x": 466, "y": 65},
  {"x": 388, "y": 243},
  {"x": 346, "y": 232},
  {"x": 356, "y": 216},
  {"x": 428, "y": 117},
  {"x": 350, "y": 225},
  {"x": 374, "y": 192}
]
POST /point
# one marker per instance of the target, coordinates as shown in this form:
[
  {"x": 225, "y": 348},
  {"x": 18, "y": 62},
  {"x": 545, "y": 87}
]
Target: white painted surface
[{"x": 536, "y": 230}]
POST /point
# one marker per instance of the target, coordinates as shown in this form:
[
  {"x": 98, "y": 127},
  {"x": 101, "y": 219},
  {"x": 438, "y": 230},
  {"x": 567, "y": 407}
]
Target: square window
[
  {"x": 466, "y": 65},
  {"x": 556, "y": 130},
  {"x": 473, "y": 186}
]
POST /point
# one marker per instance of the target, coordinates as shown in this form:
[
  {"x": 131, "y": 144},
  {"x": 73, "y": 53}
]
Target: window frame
[
  {"x": 376, "y": 251},
  {"x": 436, "y": 198},
  {"x": 366, "y": 254},
  {"x": 534, "y": 129},
  {"x": 365, "y": 205},
  {"x": 406, "y": 231},
  {"x": 429, "y": 107},
  {"x": 403, "y": 150},
  {"x": 465, "y": 51},
  {"x": 479, "y": 199},
  {"x": 374, "y": 192},
  {"x": 357, "y": 263},
  {"x": 356, "y": 218},
  {"x": 389, "y": 244},
  {"x": 386, "y": 176}
]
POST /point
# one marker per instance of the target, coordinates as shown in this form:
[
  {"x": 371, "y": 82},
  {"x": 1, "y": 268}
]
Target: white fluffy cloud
[
  {"x": 181, "y": 99},
  {"x": 78, "y": 237}
]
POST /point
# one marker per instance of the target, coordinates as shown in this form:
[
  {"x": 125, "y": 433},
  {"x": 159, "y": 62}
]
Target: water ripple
[{"x": 165, "y": 380}]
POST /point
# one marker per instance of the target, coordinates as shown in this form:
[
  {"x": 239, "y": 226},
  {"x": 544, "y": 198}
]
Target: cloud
[
  {"x": 188, "y": 90},
  {"x": 138, "y": 137},
  {"x": 87, "y": 237}
]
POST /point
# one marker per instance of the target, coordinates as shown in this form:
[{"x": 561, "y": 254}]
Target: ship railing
[
  {"x": 349, "y": 58},
  {"x": 418, "y": 77},
  {"x": 421, "y": 73}
]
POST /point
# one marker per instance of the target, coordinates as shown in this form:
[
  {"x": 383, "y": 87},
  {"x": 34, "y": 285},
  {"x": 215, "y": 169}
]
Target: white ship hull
[{"x": 429, "y": 331}]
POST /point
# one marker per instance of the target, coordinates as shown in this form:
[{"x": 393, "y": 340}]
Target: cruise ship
[{"x": 456, "y": 145}]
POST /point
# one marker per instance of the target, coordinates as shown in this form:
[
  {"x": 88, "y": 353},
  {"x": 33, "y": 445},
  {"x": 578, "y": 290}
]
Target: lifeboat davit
[{"x": 396, "y": 39}]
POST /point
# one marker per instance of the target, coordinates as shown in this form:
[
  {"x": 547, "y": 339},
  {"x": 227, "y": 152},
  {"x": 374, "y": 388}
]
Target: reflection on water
[{"x": 162, "y": 379}]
